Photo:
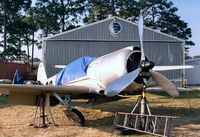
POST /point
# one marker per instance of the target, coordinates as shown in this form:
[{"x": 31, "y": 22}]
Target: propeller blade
[
  {"x": 164, "y": 83},
  {"x": 121, "y": 83},
  {"x": 140, "y": 30},
  {"x": 163, "y": 68}
]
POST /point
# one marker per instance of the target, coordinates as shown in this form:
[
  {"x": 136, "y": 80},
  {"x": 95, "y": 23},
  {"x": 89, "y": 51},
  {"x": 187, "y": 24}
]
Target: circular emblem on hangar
[{"x": 115, "y": 28}]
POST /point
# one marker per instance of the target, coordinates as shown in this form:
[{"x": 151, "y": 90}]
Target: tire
[{"x": 76, "y": 116}]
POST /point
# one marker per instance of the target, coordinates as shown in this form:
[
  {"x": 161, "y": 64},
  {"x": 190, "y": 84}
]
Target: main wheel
[{"x": 76, "y": 116}]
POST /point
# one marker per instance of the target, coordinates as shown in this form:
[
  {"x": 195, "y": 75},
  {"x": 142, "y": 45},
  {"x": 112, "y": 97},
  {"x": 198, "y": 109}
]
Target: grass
[{"x": 15, "y": 120}]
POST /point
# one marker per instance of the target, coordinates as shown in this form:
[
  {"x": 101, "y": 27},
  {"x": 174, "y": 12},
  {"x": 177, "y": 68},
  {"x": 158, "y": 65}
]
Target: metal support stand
[
  {"x": 43, "y": 112},
  {"x": 143, "y": 104}
]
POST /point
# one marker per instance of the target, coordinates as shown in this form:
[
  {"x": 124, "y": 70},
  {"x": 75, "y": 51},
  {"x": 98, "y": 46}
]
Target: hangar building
[
  {"x": 108, "y": 35},
  {"x": 192, "y": 75}
]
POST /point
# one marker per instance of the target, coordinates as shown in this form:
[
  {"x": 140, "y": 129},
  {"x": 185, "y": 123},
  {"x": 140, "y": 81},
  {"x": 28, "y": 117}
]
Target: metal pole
[
  {"x": 143, "y": 104},
  {"x": 43, "y": 109}
]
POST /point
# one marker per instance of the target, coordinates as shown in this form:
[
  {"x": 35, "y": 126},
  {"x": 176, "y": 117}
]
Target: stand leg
[
  {"x": 136, "y": 105},
  {"x": 44, "y": 111},
  {"x": 143, "y": 104}
]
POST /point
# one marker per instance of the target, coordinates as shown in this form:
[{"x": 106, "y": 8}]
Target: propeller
[
  {"x": 121, "y": 83},
  {"x": 164, "y": 83},
  {"x": 140, "y": 31}
]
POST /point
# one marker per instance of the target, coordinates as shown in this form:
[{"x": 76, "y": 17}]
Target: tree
[
  {"x": 161, "y": 15},
  {"x": 58, "y": 15},
  {"x": 197, "y": 56},
  {"x": 15, "y": 32},
  {"x": 45, "y": 17},
  {"x": 11, "y": 12},
  {"x": 101, "y": 9},
  {"x": 30, "y": 27},
  {"x": 31, "y": 19},
  {"x": 158, "y": 14}
]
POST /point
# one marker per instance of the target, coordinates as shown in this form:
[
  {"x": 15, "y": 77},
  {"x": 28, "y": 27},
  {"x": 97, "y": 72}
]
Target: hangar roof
[
  {"x": 100, "y": 31},
  {"x": 194, "y": 61}
]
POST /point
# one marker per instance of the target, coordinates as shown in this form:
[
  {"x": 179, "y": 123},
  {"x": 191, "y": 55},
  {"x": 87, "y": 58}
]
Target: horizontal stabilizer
[
  {"x": 41, "y": 74},
  {"x": 60, "y": 66}
]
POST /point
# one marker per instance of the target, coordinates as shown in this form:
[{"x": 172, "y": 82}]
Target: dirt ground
[{"x": 15, "y": 119}]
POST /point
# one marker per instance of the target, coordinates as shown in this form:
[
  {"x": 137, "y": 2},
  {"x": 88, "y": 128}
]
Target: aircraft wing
[
  {"x": 175, "y": 67},
  {"x": 38, "y": 89},
  {"x": 28, "y": 94}
]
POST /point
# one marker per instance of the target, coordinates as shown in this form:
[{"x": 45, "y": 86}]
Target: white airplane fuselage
[{"x": 100, "y": 72}]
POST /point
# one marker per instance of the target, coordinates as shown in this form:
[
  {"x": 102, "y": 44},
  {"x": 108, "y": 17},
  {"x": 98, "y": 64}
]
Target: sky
[{"x": 189, "y": 11}]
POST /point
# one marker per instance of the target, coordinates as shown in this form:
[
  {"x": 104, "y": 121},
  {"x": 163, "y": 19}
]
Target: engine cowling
[{"x": 114, "y": 65}]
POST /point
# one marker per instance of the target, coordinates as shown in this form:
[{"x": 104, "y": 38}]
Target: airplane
[{"x": 124, "y": 70}]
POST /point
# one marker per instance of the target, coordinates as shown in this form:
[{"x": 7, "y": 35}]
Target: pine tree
[
  {"x": 58, "y": 15},
  {"x": 161, "y": 15},
  {"x": 11, "y": 11},
  {"x": 158, "y": 14},
  {"x": 101, "y": 9}
]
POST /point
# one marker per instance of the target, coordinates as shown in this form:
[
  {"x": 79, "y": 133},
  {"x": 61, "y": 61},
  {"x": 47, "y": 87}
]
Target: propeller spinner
[{"x": 121, "y": 83}]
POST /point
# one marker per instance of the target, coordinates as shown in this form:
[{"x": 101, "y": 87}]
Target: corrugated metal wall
[
  {"x": 96, "y": 40},
  {"x": 100, "y": 31},
  {"x": 192, "y": 75}
]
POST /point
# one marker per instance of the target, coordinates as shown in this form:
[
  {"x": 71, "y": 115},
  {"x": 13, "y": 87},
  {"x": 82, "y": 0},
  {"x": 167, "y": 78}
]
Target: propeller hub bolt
[{"x": 146, "y": 65}]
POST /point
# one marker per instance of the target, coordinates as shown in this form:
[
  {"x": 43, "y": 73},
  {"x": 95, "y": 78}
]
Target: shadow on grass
[
  {"x": 182, "y": 94},
  {"x": 3, "y": 101}
]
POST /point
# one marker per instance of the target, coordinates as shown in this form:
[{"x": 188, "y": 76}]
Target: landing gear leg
[{"x": 71, "y": 112}]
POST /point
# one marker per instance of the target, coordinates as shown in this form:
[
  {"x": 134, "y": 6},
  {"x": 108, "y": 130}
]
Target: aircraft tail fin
[{"x": 41, "y": 74}]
